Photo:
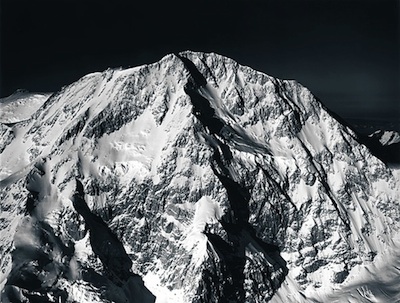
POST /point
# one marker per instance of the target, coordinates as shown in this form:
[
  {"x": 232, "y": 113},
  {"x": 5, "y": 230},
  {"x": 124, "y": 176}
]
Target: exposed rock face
[{"x": 213, "y": 182}]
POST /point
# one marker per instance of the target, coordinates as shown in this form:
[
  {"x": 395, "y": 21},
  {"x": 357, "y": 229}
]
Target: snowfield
[{"x": 20, "y": 106}]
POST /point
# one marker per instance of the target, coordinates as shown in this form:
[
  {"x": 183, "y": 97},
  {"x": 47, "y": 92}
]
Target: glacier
[{"x": 193, "y": 179}]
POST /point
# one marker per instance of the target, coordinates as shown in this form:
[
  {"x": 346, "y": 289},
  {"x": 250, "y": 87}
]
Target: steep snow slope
[{"x": 223, "y": 184}]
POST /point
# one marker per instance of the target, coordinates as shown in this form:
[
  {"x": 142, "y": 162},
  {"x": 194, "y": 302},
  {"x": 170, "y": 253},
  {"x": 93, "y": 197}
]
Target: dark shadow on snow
[
  {"x": 231, "y": 254},
  {"x": 121, "y": 283}
]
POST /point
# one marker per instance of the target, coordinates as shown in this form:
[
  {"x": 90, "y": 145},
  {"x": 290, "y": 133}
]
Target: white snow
[
  {"x": 375, "y": 282},
  {"x": 313, "y": 135},
  {"x": 163, "y": 294},
  {"x": 389, "y": 137},
  {"x": 207, "y": 212},
  {"x": 20, "y": 106}
]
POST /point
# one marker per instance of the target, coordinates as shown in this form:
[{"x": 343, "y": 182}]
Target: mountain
[
  {"x": 20, "y": 106},
  {"x": 193, "y": 179}
]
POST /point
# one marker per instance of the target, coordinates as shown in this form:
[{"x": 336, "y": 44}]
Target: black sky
[{"x": 346, "y": 52}]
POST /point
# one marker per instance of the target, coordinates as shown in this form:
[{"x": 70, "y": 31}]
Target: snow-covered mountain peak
[{"x": 211, "y": 181}]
